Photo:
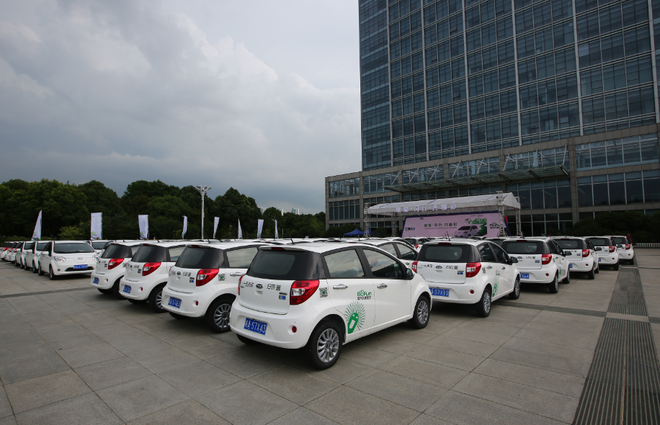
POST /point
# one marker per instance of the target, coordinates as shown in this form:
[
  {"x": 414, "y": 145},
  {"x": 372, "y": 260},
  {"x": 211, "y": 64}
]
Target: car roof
[
  {"x": 228, "y": 245},
  {"x": 171, "y": 244},
  {"x": 317, "y": 247},
  {"x": 456, "y": 241},
  {"x": 71, "y": 242}
]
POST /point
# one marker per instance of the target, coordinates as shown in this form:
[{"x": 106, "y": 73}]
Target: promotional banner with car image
[{"x": 468, "y": 225}]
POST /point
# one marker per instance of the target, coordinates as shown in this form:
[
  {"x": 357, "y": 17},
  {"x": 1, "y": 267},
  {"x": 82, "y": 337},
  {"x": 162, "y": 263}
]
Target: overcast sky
[{"x": 259, "y": 95}]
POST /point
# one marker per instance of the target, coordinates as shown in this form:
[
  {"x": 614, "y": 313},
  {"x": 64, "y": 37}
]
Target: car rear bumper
[
  {"x": 456, "y": 293},
  {"x": 187, "y": 306},
  {"x": 581, "y": 266},
  {"x": 279, "y": 328}
]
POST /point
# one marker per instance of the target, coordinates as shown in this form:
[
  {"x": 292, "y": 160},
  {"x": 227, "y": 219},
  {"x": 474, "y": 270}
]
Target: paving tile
[
  {"x": 5, "y": 407},
  {"x": 342, "y": 372},
  {"x": 425, "y": 419},
  {"x": 301, "y": 387},
  {"x": 446, "y": 357},
  {"x": 141, "y": 397},
  {"x": 44, "y": 363},
  {"x": 33, "y": 393},
  {"x": 83, "y": 356},
  {"x": 425, "y": 371},
  {"x": 112, "y": 372},
  {"x": 159, "y": 360},
  {"x": 199, "y": 377},
  {"x": 365, "y": 354},
  {"x": 188, "y": 412},
  {"x": 257, "y": 406},
  {"x": 86, "y": 409},
  {"x": 463, "y": 345},
  {"x": 347, "y": 405},
  {"x": 244, "y": 363},
  {"x": 9, "y": 420},
  {"x": 302, "y": 416},
  {"x": 210, "y": 349},
  {"x": 407, "y": 392}
]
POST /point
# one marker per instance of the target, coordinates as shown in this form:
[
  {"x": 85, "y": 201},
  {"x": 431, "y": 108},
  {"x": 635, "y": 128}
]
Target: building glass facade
[{"x": 452, "y": 90}]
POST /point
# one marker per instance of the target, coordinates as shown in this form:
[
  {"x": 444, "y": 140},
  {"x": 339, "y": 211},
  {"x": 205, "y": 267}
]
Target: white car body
[
  {"x": 398, "y": 249},
  {"x": 323, "y": 295},
  {"x": 606, "y": 250},
  {"x": 204, "y": 281},
  {"x": 61, "y": 258},
  {"x": 32, "y": 255},
  {"x": 624, "y": 248},
  {"x": 580, "y": 253},
  {"x": 147, "y": 272},
  {"x": 99, "y": 245},
  {"x": 111, "y": 265},
  {"x": 540, "y": 261},
  {"x": 468, "y": 272}
]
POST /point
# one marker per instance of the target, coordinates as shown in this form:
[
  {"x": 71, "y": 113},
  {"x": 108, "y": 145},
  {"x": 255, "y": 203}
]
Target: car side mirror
[
  {"x": 513, "y": 260},
  {"x": 409, "y": 273}
]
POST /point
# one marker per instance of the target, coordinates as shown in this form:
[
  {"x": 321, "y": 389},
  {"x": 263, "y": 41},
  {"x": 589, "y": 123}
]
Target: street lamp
[{"x": 202, "y": 190}]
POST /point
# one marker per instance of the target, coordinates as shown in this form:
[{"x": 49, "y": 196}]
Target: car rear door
[
  {"x": 491, "y": 266},
  {"x": 506, "y": 270}
]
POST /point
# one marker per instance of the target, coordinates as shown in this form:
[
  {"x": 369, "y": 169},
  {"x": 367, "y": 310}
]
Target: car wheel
[
  {"x": 34, "y": 268},
  {"x": 105, "y": 291},
  {"x": 483, "y": 306},
  {"x": 421, "y": 313},
  {"x": 115, "y": 289},
  {"x": 591, "y": 274},
  {"x": 156, "y": 299},
  {"x": 137, "y": 302},
  {"x": 217, "y": 316},
  {"x": 597, "y": 268},
  {"x": 51, "y": 275},
  {"x": 567, "y": 279},
  {"x": 246, "y": 341},
  {"x": 178, "y": 316},
  {"x": 39, "y": 271},
  {"x": 516, "y": 289},
  {"x": 553, "y": 286},
  {"x": 615, "y": 267},
  {"x": 324, "y": 346}
]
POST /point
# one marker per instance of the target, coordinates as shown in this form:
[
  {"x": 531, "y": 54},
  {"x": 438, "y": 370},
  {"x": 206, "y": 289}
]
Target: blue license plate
[
  {"x": 570, "y": 266},
  {"x": 96, "y": 280},
  {"x": 524, "y": 275},
  {"x": 255, "y": 326},
  {"x": 439, "y": 292},
  {"x": 127, "y": 289},
  {"x": 174, "y": 302},
  {"x": 599, "y": 259},
  {"x": 79, "y": 266}
]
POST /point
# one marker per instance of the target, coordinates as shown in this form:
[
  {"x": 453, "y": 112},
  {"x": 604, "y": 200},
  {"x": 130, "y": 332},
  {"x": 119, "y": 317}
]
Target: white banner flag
[
  {"x": 260, "y": 227},
  {"x": 143, "y": 220},
  {"x": 96, "y": 228},
  {"x": 276, "y": 229},
  {"x": 216, "y": 220},
  {"x": 36, "y": 235},
  {"x": 185, "y": 226},
  {"x": 240, "y": 232}
]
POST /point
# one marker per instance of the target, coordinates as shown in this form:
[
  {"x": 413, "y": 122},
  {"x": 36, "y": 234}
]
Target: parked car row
[{"x": 320, "y": 295}]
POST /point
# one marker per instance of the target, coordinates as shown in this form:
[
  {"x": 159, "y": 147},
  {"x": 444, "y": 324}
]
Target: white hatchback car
[
  {"x": 624, "y": 248},
  {"x": 400, "y": 250},
  {"x": 111, "y": 266},
  {"x": 581, "y": 254},
  {"x": 323, "y": 295},
  {"x": 468, "y": 272},
  {"x": 468, "y": 231},
  {"x": 204, "y": 279},
  {"x": 61, "y": 258},
  {"x": 33, "y": 255},
  {"x": 147, "y": 272},
  {"x": 540, "y": 261},
  {"x": 606, "y": 250},
  {"x": 99, "y": 245}
]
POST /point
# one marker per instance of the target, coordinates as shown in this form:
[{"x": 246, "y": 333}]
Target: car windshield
[
  {"x": 619, "y": 240},
  {"x": 600, "y": 241},
  {"x": 117, "y": 251},
  {"x": 464, "y": 228},
  {"x": 285, "y": 265},
  {"x": 446, "y": 253},
  {"x": 570, "y": 243},
  {"x": 41, "y": 246},
  {"x": 197, "y": 257},
  {"x": 150, "y": 254},
  {"x": 72, "y": 248},
  {"x": 523, "y": 247},
  {"x": 99, "y": 245}
]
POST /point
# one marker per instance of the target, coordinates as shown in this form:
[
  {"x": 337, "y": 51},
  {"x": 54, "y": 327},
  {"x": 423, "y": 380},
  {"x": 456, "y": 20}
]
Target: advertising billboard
[{"x": 465, "y": 225}]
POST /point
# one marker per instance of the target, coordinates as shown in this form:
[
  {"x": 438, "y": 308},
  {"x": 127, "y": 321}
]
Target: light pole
[{"x": 202, "y": 190}]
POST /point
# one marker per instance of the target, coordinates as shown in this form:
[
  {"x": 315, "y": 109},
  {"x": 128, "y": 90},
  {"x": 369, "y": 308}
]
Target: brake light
[
  {"x": 204, "y": 276},
  {"x": 471, "y": 269},
  {"x": 240, "y": 279},
  {"x": 546, "y": 258},
  {"x": 302, "y": 290},
  {"x": 612, "y": 248},
  {"x": 416, "y": 246},
  {"x": 628, "y": 246},
  {"x": 585, "y": 253},
  {"x": 149, "y": 268},
  {"x": 114, "y": 263},
  {"x": 414, "y": 266}
]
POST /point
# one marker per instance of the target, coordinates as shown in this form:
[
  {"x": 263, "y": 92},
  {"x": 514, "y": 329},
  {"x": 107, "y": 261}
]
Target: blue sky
[{"x": 258, "y": 95}]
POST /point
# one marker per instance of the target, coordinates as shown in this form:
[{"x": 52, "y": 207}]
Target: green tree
[
  {"x": 166, "y": 218},
  {"x": 231, "y": 207}
]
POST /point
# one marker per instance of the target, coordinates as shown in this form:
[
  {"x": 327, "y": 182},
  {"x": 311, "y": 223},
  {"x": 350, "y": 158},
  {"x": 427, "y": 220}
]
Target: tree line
[{"x": 66, "y": 212}]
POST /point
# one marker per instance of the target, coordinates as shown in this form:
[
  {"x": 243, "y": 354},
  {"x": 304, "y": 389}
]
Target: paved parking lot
[{"x": 69, "y": 354}]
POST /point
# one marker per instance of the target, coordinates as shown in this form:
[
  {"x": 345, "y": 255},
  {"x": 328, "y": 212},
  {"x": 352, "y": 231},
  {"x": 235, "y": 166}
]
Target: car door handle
[
  {"x": 381, "y": 286},
  {"x": 342, "y": 286},
  {"x": 235, "y": 274},
  {"x": 503, "y": 267}
]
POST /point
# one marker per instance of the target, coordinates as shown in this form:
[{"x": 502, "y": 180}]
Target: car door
[
  {"x": 351, "y": 291},
  {"x": 490, "y": 265},
  {"x": 46, "y": 256},
  {"x": 392, "y": 293},
  {"x": 505, "y": 269},
  {"x": 407, "y": 255},
  {"x": 559, "y": 258}
]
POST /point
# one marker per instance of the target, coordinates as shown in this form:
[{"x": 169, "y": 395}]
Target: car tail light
[
  {"x": 301, "y": 290},
  {"x": 149, "y": 268},
  {"x": 414, "y": 266},
  {"x": 240, "y": 279},
  {"x": 416, "y": 246},
  {"x": 628, "y": 246},
  {"x": 546, "y": 258},
  {"x": 612, "y": 248},
  {"x": 204, "y": 276},
  {"x": 114, "y": 263},
  {"x": 471, "y": 269},
  {"x": 585, "y": 253}
]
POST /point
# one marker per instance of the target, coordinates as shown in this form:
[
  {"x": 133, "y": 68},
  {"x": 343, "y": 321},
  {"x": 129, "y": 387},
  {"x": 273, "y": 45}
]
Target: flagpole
[{"x": 202, "y": 190}]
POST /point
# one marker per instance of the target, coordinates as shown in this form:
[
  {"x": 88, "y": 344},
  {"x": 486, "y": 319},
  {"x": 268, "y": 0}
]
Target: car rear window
[
  {"x": 600, "y": 241},
  {"x": 41, "y": 246},
  {"x": 446, "y": 253},
  {"x": 241, "y": 258},
  {"x": 99, "y": 245},
  {"x": 197, "y": 257},
  {"x": 117, "y": 251},
  {"x": 570, "y": 243},
  {"x": 523, "y": 247},
  {"x": 151, "y": 254},
  {"x": 286, "y": 265},
  {"x": 72, "y": 248},
  {"x": 29, "y": 245},
  {"x": 619, "y": 240}
]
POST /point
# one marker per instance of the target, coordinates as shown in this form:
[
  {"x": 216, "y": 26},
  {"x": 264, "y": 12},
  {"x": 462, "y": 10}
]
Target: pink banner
[{"x": 453, "y": 225}]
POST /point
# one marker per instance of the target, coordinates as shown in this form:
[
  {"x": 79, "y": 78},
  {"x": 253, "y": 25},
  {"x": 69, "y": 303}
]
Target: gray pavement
[{"x": 69, "y": 354}]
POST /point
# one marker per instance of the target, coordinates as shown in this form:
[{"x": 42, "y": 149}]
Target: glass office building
[{"x": 553, "y": 100}]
